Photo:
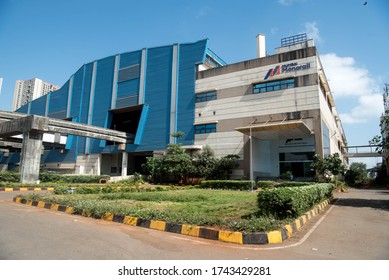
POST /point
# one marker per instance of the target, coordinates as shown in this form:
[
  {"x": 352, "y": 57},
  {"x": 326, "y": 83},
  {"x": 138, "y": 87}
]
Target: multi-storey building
[
  {"x": 28, "y": 90},
  {"x": 274, "y": 111}
]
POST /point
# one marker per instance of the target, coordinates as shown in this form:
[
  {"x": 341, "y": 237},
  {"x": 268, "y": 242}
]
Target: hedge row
[
  {"x": 109, "y": 189},
  {"x": 51, "y": 177},
  {"x": 285, "y": 184},
  {"x": 292, "y": 202},
  {"x": 12, "y": 177},
  {"x": 227, "y": 184}
]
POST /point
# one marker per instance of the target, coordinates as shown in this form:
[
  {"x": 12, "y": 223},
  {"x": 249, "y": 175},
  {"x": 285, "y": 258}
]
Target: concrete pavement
[{"x": 355, "y": 227}]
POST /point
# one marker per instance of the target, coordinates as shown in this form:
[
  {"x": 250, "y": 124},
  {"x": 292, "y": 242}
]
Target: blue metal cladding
[
  {"x": 190, "y": 55},
  {"x": 127, "y": 93},
  {"x": 141, "y": 125},
  {"x": 130, "y": 58},
  {"x": 102, "y": 97},
  {"x": 77, "y": 92},
  {"x": 58, "y": 102},
  {"x": 23, "y": 109},
  {"x": 157, "y": 96},
  {"x": 11, "y": 158},
  {"x": 154, "y": 125},
  {"x": 38, "y": 106},
  {"x": 84, "y": 103}
]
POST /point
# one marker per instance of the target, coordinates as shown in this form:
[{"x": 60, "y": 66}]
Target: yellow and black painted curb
[
  {"x": 272, "y": 237},
  {"x": 25, "y": 189}
]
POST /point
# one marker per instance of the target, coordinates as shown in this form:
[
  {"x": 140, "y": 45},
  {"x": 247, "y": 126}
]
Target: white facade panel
[
  {"x": 290, "y": 100},
  {"x": 249, "y": 76}
]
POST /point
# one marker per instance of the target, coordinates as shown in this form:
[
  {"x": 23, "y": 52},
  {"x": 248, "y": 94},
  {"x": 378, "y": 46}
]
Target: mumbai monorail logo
[{"x": 285, "y": 68}]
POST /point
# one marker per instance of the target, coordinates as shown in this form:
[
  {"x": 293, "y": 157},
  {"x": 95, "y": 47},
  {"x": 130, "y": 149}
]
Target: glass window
[
  {"x": 273, "y": 86},
  {"x": 206, "y": 96},
  {"x": 205, "y": 128}
]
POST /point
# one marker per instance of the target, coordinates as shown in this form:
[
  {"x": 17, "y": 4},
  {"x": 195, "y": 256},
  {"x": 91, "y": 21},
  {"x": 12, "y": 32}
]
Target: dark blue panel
[
  {"x": 128, "y": 88},
  {"x": 58, "y": 102},
  {"x": 38, "y": 106},
  {"x": 23, "y": 109},
  {"x": 127, "y": 93},
  {"x": 189, "y": 56},
  {"x": 157, "y": 96},
  {"x": 130, "y": 58},
  {"x": 77, "y": 92},
  {"x": 83, "y": 114},
  {"x": 11, "y": 158},
  {"x": 141, "y": 125},
  {"x": 56, "y": 156},
  {"x": 102, "y": 97}
]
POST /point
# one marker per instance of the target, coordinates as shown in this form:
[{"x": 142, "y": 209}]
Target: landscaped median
[{"x": 229, "y": 216}]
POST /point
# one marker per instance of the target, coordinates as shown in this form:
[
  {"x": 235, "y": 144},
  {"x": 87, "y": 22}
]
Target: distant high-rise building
[{"x": 26, "y": 91}]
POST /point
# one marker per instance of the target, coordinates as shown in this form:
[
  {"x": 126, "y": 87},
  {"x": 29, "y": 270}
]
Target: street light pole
[{"x": 251, "y": 160}]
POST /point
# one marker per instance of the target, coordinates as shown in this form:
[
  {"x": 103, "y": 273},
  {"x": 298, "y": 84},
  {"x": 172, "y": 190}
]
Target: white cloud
[
  {"x": 369, "y": 107},
  {"x": 312, "y": 31},
  {"x": 348, "y": 80}
]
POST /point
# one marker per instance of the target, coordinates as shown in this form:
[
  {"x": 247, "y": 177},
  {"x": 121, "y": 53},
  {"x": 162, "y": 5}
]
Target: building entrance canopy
[{"x": 277, "y": 130}]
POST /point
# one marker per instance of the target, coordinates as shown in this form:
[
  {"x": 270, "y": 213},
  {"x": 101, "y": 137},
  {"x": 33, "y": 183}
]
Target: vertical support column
[
  {"x": 174, "y": 93},
  {"x": 70, "y": 96},
  {"x": 115, "y": 83},
  {"x": 91, "y": 102},
  {"x": 142, "y": 80},
  {"x": 124, "y": 163},
  {"x": 30, "y": 156}
]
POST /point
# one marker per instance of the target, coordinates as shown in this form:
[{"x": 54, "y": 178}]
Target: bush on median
[{"x": 292, "y": 202}]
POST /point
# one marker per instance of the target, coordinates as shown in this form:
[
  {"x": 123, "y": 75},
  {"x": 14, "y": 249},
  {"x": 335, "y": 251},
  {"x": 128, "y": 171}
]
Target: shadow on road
[{"x": 380, "y": 204}]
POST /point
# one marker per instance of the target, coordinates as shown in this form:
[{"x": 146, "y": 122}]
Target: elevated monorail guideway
[{"x": 33, "y": 127}]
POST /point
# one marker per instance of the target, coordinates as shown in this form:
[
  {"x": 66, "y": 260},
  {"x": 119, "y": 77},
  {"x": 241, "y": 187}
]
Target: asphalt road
[{"x": 355, "y": 227}]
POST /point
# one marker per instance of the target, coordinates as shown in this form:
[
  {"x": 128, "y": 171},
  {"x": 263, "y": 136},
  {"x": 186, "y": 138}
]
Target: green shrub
[
  {"x": 9, "y": 177},
  {"x": 73, "y": 179},
  {"x": 87, "y": 190},
  {"x": 292, "y": 202},
  {"x": 107, "y": 189},
  {"x": 294, "y": 184},
  {"x": 266, "y": 184},
  {"x": 227, "y": 184},
  {"x": 61, "y": 190}
]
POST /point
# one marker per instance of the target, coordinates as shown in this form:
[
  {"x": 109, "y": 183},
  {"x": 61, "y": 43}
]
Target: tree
[
  {"x": 177, "y": 166},
  {"x": 382, "y": 141},
  {"x": 327, "y": 167},
  {"x": 357, "y": 173},
  {"x": 177, "y": 163},
  {"x": 224, "y": 166}
]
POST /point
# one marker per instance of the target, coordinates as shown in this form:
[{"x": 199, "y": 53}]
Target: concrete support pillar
[
  {"x": 124, "y": 163},
  {"x": 30, "y": 156}
]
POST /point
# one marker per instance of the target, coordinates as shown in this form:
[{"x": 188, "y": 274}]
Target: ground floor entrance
[{"x": 113, "y": 164}]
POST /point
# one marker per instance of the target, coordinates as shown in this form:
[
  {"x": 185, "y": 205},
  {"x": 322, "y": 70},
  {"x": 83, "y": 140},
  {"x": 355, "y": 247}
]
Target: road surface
[{"x": 355, "y": 227}]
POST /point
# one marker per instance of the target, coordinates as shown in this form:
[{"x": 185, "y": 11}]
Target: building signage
[{"x": 286, "y": 68}]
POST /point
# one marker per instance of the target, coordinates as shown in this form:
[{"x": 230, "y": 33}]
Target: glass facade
[
  {"x": 273, "y": 86},
  {"x": 326, "y": 140},
  {"x": 205, "y": 128},
  {"x": 206, "y": 96}
]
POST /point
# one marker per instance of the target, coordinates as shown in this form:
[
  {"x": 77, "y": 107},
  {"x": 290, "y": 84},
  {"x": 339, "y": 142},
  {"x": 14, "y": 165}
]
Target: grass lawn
[{"x": 231, "y": 210}]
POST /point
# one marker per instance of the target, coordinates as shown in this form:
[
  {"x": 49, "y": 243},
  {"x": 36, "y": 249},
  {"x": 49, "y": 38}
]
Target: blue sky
[{"x": 51, "y": 39}]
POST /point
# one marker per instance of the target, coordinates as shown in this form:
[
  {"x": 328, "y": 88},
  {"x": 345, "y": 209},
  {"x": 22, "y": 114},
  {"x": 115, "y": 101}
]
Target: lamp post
[{"x": 251, "y": 159}]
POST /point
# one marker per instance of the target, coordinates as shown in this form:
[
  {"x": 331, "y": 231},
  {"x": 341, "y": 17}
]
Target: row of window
[
  {"x": 206, "y": 96},
  {"x": 205, "y": 128},
  {"x": 273, "y": 86},
  {"x": 257, "y": 88}
]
